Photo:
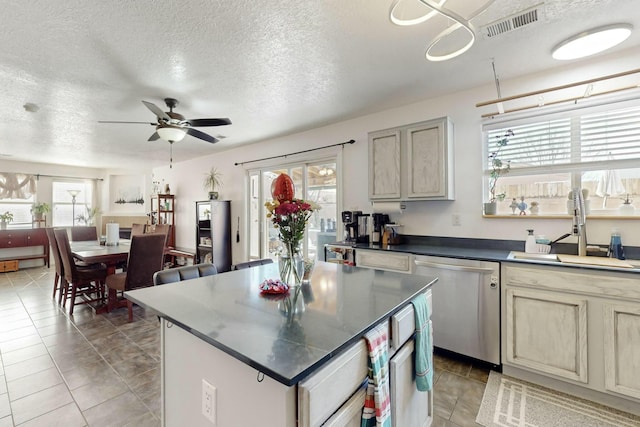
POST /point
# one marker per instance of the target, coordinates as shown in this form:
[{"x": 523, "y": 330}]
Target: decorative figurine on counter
[
  {"x": 522, "y": 206},
  {"x": 535, "y": 208},
  {"x": 513, "y": 206}
]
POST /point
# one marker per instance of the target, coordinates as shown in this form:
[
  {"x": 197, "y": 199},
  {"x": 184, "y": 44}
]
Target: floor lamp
[{"x": 73, "y": 194}]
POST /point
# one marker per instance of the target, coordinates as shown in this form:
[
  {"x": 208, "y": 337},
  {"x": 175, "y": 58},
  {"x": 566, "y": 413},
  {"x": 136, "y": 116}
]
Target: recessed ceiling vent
[{"x": 513, "y": 22}]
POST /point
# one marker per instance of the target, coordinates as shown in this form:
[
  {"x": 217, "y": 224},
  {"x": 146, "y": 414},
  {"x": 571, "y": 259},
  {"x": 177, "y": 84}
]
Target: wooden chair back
[
  {"x": 68, "y": 264},
  {"x": 81, "y": 233},
  {"x": 138, "y": 229},
  {"x": 55, "y": 251},
  {"x": 146, "y": 257}
]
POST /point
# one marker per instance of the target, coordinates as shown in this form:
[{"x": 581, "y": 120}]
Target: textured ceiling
[{"x": 272, "y": 66}]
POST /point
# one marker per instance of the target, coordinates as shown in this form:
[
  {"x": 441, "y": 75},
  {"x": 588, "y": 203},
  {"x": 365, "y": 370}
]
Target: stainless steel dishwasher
[{"x": 466, "y": 305}]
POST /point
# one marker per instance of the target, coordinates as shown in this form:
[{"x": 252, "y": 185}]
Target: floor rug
[{"x": 508, "y": 402}]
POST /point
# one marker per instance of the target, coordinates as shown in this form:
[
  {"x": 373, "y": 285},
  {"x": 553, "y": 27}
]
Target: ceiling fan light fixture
[
  {"x": 171, "y": 133},
  {"x": 591, "y": 42}
]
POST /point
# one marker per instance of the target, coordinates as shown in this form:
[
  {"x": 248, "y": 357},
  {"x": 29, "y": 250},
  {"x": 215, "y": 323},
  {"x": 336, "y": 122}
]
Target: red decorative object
[
  {"x": 273, "y": 286},
  {"x": 282, "y": 188}
]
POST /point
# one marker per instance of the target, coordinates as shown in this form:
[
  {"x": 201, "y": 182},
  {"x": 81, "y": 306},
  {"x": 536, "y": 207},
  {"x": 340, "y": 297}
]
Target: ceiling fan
[{"x": 172, "y": 127}]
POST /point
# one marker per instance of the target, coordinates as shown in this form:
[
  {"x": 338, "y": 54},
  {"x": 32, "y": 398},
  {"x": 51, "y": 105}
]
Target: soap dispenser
[
  {"x": 615, "y": 247},
  {"x": 530, "y": 243}
]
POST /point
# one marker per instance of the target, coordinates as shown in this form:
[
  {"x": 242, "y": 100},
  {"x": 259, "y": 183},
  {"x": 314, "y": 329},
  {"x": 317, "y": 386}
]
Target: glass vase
[{"x": 291, "y": 265}]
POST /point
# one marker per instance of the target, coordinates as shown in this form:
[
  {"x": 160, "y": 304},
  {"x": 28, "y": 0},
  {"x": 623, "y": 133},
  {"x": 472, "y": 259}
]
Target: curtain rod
[
  {"x": 351, "y": 141},
  {"x": 38, "y": 175},
  {"x": 551, "y": 89},
  {"x": 560, "y": 101}
]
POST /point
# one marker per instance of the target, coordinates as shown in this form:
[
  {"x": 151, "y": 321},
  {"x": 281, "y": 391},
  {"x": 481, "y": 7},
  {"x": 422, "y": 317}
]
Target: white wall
[{"x": 420, "y": 218}]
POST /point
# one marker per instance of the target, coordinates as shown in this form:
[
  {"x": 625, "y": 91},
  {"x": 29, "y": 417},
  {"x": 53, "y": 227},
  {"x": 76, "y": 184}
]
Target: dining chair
[
  {"x": 58, "y": 280},
  {"x": 252, "y": 263},
  {"x": 81, "y": 233},
  {"x": 186, "y": 272},
  {"x": 146, "y": 256},
  {"x": 85, "y": 282},
  {"x": 137, "y": 229}
]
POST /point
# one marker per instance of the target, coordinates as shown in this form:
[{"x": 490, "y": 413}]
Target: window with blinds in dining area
[{"x": 597, "y": 148}]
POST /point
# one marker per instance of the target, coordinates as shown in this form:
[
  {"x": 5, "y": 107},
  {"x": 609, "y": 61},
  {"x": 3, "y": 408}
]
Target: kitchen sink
[
  {"x": 533, "y": 256},
  {"x": 593, "y": 261}
]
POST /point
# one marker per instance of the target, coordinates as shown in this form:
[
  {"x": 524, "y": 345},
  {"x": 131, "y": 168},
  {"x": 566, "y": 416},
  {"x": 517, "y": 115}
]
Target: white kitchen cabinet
[
  {"x": 412, "y": 162},
  {"x": 573, "y": 330},
  {"x": 384, "y": 165},
  {"x": 409, "y": 407},
  {"x": 621, "y": 346},
  {"x": 534, "y": 339},
  {"x": 384, "y": 260},
  {"x": 326, "y": 390}
]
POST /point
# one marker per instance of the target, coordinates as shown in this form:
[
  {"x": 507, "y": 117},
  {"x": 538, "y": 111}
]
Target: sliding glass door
[{"x": 316, "y": 182}]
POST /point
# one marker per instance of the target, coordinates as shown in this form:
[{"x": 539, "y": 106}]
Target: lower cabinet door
[
  {"x": 547, "y": 332},
  {"x": 409, "y": 407},
  {"x": 621, "y": 344},
  {"x": 350, "y": 414}
]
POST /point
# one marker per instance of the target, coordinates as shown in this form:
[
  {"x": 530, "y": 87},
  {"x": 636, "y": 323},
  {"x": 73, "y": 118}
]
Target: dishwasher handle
[{"x": 483, "y": 270}]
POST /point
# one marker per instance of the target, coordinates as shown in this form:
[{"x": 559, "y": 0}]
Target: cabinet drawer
[
  {"x": 13, "y": 240},
  {"x": 403, "y": 325},
  {"x": 383, "y": 260},
  {"x": 350, "y": 414},
  {"x": 35, "y": 238},
  {"x": 324, "y": 392}
]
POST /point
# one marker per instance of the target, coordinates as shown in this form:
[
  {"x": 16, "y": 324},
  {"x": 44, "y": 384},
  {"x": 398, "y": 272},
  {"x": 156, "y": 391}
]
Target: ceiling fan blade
[
  {"x": 157, "y": 111},
  {"x": 203, "y": 136},
  {"x": 209, "y": 122},
  {"x": 140, "y": 123},
  {"x": 154, "y": 137}
]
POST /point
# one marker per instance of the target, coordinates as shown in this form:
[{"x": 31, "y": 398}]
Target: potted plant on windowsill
[
  {"x": 498, "y": 168},
  {"x": 89, "y": 217},
  {"x": 5, "y": 219},
  {"x": 212, "y": 180},
  {"x": 39, "y": 209}
]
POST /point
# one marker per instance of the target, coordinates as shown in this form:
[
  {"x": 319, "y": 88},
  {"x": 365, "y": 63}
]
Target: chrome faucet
[{"x": 580, "y": 221}]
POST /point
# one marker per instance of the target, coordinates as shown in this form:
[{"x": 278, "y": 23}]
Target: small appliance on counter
[
  {"x": 390, "y": 236},
  {"x": 363, "y": 228},
  {"x": 356, "y": 226},
  {"x": 379, "y": 221}
]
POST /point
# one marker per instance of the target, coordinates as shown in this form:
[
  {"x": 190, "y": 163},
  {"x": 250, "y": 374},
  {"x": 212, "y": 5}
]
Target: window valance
[{"x": 17, "y": 185}]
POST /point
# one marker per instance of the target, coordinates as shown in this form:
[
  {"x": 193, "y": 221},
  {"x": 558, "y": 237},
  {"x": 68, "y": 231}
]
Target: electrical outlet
[
  {"x": 209, "y": 401},
  {"x": 455, "y": 219}
]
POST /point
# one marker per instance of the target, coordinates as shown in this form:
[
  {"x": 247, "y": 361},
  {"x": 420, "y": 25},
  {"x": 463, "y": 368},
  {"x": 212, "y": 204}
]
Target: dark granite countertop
[
  {"x": 486, "y": 250},
  {"x": 335, "y": 309}
]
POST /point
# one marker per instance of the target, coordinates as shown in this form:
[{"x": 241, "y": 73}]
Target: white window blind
[{"x": 581, "y": 141}]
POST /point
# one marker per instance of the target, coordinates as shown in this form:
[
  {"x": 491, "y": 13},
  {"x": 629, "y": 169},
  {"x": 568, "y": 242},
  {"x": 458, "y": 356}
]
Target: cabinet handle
[{"x": 454, "y": 267}]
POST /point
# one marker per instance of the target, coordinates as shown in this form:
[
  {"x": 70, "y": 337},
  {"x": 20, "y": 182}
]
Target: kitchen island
[{"x": 253, "y": 354}]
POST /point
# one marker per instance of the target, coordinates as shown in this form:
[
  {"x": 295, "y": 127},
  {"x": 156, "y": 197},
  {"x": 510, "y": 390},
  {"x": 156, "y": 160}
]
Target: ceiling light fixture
[
  {"x": 171, "y": 133},
  {"x": 414, "y": 13},
  {"x": 401, "y": 10},
  {"x": 325, "y": 172},
  {"x": 591, "y": 41}
]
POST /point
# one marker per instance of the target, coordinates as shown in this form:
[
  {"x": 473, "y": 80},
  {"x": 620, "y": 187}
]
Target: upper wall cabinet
[{"x": 412, "y": 162}]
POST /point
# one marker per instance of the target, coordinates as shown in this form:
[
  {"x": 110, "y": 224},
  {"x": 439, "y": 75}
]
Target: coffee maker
[
  {"x": 350, "y": 221},
  {"x": 379, "y": 221}
]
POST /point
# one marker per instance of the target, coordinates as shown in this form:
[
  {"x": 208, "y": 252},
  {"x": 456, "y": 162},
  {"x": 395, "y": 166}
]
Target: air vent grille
[{"x": 513, "y": 22}]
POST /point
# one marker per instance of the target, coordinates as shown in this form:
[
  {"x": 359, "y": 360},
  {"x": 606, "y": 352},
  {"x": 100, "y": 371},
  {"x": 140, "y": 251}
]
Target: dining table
[{"x": 93, "y": 252}]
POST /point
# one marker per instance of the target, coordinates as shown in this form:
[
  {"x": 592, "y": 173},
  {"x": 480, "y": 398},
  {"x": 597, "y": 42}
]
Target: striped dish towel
[{"x": 377, "y": 405}]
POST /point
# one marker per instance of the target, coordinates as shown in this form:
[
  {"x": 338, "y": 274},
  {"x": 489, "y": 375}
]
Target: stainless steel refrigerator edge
[{"x": 466, "y": 305}]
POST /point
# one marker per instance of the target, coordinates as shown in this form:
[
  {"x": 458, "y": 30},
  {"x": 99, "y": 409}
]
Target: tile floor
[{"x": 99, "y": 370}]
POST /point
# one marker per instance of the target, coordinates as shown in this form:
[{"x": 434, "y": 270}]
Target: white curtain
[{"x": 16, "y": 185}]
